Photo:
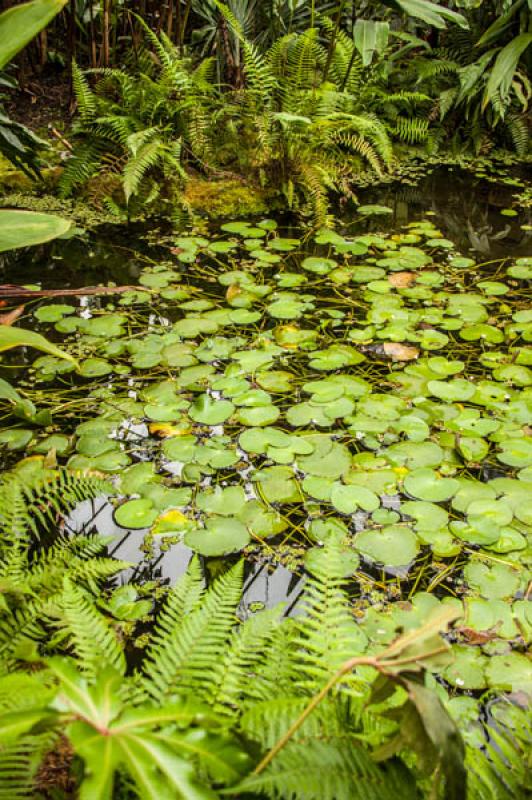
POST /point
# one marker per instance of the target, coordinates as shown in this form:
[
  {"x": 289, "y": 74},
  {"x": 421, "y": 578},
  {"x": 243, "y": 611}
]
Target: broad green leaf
[
  {"x": 18, "y": 337},
  {"x": 19, "y": 24},
  {"x": 503, "y": 70},
  {"x": 392, "y": 545},
  {"x": 432, "y": 13},
  {"x": 370, "y": 37},
  {"x": 26, "y": 228}
]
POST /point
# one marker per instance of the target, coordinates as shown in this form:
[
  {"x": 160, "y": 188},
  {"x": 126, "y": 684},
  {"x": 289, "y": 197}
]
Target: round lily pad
[
  {"x": 510, "y": 672},
  {"x": 427, "y": 484},
  {"x": 492, "y": 581},
  {"x": 134, "y": 514},
  {"x": 210, "y": 411},
  {"x": 225, "y": 502},
  {"x": 347, "y": 499},
  {"x": 219, "y": 537},
  {"x": 392, "y": 545}
]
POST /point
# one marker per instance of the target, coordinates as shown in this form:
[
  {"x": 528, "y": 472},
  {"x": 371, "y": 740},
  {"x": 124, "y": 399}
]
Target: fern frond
[
  {"x": 328, "y": 634},
  {"x": 411, "y": 130},
  {"x": 85, "y": 97},
  {"x": 330, "y": 771},
  {"x": 517, "y": 127},
  {"x": 246, "y": 652},
  {"x": 259, "y": 77},
  {"x": 139, "y": 163},
  {"x": 503, "y": 767},
  {"x": 266, "y": 722},
  {"x": 26, "y": 505},
  {"x": 90, "y": 636},
  {"x": 189, "y": 653}
]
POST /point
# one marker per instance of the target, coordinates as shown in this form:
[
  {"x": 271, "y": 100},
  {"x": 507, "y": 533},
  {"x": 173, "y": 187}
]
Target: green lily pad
[
  {"x": 134, "y": 514},
  {"x": 467, "y": 670},
  {"x": 451, "y": 391},
  {"x": 95, "y": 367},
  {"x": 262, "y": 522},
  {"x": 516, "y": 452},
  {"x": 510, "y": 672},
  {"x": 347, "y": 499},
  {"x": 225, "y": 502},
  {"x": 15, "y": 438},
  {"x": 220, "y": 536},
  {"x": 494, "y": 581},
  {"x": 392, "y": 545},
  {"x": 210, "y": 411},
  {"x": 321, "y": 266},
  {"x": 427, "y": 484},
  {"x": 261, "y": 415},
  {"x": 329, "y": 459},
  {"x": 428, "y": 516}
]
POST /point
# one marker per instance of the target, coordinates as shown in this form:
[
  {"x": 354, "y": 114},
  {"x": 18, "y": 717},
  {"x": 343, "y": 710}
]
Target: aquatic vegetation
[{"x": 251, "y": 413}]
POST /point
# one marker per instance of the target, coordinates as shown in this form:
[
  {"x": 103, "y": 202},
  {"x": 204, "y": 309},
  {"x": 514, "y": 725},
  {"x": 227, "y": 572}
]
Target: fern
[
  {"x": 411, "y": 130},
  {"x": 328, "y": 634},
  {"x": 321, "y": 771},
  {"x": 85, "y": 98},
  {"x": 29, "y": 504},
  {"x": 519, "y": 132},
  {"x": 191, "y": 650},
  {"x": 94, "y": 643},
  {"x": 246, "y": 652},
  {"x": 503, "y": 767}
]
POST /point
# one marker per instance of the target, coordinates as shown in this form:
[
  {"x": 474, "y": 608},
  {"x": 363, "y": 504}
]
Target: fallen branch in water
[{"x": 11, "y": 290}]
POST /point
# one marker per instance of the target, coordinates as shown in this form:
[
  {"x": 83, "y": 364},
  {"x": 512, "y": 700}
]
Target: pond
[{"x": 260, "y": 392}]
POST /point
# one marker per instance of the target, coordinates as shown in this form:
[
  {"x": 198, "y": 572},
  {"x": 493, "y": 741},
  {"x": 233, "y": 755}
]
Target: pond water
[{"x": 261, "y": 392}]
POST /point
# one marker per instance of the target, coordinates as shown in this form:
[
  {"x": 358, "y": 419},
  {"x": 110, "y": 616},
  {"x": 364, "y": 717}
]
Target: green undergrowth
[{"x": 263, "y": 395}]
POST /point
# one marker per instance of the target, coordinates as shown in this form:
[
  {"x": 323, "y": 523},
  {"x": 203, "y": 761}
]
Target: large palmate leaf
[
  {"x": 18, "y": 25},
  {"x": 503, "y": 71},
  {"x": 18, "y": 337},
  {"x": 108, "y": 733},
  {"x": 25, "y": 228}
]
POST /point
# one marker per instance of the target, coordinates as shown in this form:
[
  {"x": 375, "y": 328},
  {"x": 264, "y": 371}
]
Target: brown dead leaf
[
  {"x": 477, "y": 637},
  {"x": 402, "y": 280},
  {"x": 400, "y": 352},
  {"x": 11, "y": 316}
]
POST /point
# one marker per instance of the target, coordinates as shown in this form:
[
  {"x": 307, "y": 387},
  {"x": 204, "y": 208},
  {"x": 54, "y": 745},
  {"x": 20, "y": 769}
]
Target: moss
[
  {"x": 230, "y": 197},
  {"x": 15, "y": 180},
  {"x": 76, "y": 210}
]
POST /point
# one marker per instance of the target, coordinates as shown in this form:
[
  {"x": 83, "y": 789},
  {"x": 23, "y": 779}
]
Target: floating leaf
[
  {"x": 347, "y": 499},
  {"x": 392, "y": 545},
  {"x": 210, "y": 411},
  {"x": 219, "y": 537},
  {"x": 136, "y": 514},
  {"x": 427, "y": 484}
]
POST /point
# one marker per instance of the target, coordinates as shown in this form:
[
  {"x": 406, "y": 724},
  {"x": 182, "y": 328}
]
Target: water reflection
[{"x": 264, "y": 587}]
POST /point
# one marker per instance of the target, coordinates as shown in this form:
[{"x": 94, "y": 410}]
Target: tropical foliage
[
  {"x": 267, "y": 706},
  {"x": 336, "y": 413},
  {"x": 301, "y": 115}
]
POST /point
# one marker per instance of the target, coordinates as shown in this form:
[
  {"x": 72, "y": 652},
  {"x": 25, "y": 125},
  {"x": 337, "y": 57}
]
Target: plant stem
[
  {"x": 332, "y": 43},
  {"x": 378, "y": 662}
]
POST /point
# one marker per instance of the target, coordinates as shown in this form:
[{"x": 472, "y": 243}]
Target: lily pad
[
  {"x": 427, "y": 484},
  {"x": 392, "y": 545},
  {"x": 219, "y": 537},
  {"x": 134, "y": 514},
  {"x": 210, "y": 411}
]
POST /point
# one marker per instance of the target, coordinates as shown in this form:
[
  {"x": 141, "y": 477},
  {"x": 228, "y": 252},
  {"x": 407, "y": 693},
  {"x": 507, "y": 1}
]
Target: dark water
[{"x": 465, "y": 208}]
